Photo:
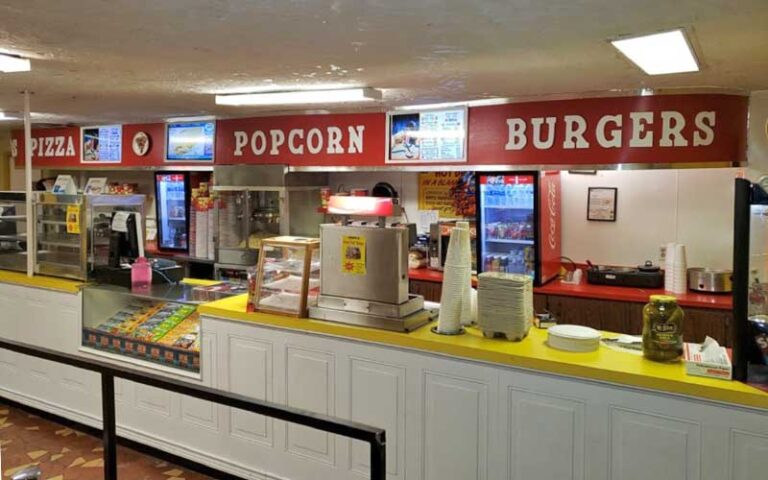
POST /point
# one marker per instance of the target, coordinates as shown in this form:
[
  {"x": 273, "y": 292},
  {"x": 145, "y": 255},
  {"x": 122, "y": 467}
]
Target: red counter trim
[{"x": 601, "y": 292}]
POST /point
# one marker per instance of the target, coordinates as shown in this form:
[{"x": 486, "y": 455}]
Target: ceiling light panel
[
  {"x": 659, "y": 53},
  {"x": 300, "y": 97},
  {"x": 12, "y": 63}
]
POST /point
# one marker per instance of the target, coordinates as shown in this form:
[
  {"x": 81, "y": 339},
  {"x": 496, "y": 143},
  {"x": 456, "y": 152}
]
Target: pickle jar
[{"x": 662, "y": 329}]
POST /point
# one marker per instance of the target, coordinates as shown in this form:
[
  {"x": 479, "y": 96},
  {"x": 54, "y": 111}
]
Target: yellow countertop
[
  {"x": 532, "y": 353},
  {"x": 41, "y": 281}
]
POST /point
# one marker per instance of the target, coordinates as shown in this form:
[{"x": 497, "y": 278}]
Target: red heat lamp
[{"x": 361, "y": 206}]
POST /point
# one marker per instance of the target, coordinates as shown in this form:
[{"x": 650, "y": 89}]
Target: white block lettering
[
  {"x": 516, "y": 138},
  {"x": 575, "y": 126},
  {"x": 70, "y": 147},
  {"x": 537, "y": 122},
  {"x": 672, "y": 124},
  {"x": 640, "y": 120},
  {"x": 355, "y": 138},
  {"x": 292, "y": 135},
  {"x": 258, "y": 143},
  {"x": 704, "y": 135},
  {"x": 60, "y": 146},
  {"x": 615, "y": 140},
  {"x": 334, "y": 141},
  {"x": 314, "y": 141},
  {"x": 278, "y": 138},
  {"x": 241, "y": 140}
]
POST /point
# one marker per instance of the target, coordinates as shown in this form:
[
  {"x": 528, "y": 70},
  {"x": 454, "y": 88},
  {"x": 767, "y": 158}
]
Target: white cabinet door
[
  {"x": 650, "y": 446},
  {"x": 310, "y": 381},
  {"x": 749, "y": 455},
  {"x": 377, "y": 397},
  {"x": 250, "y": 372},
  {"x": 458, "y": 408},
  {"x": 545, "y": 436},
  {"x": 200, "y": 413}
]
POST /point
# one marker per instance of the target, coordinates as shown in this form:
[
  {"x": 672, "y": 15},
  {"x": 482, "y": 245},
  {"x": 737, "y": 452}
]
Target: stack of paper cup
[
  {"x": 456, "y": 279},
  {"x": 680, "y": 270},
  {"x": 675, "y": 268},
  {"x": 466, "y": 268},
  {"x": 669, "y": 266}
]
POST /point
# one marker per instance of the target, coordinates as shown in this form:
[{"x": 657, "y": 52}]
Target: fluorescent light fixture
[
  {"x": 469, "y": 103},
  {"x": 190, "y": 119},
  {"x": 13, "y": 63},
  {"x": 4, "y": 117},
  {"x": 300, "y": 97},
  {"x": 659, "y": 53}
]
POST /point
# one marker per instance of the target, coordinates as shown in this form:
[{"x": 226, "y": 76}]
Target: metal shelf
[
  {"x": 59, "y": 244},
  {"x": 505, "y": 240},
  {"x": 13, "y": 238}
]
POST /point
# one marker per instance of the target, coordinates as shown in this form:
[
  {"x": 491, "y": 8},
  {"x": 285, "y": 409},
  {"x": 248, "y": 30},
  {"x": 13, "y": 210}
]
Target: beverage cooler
[
  {"x": 518, "y": 223},
  {"x": 172, "y": 197},
  {"x": 750, "y": 282}
]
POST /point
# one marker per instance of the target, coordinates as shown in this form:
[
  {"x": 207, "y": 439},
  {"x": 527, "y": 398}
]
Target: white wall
[
  {"x": 757, "y": 144},
  {"x": 694, "y": 207}
]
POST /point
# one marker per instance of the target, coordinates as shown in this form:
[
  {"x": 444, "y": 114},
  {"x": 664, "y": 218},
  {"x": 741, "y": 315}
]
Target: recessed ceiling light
[
  {"x": 300, "y": 97},
  {"x": 13, "y": 63},
  {"x": 659, "y": 53}
]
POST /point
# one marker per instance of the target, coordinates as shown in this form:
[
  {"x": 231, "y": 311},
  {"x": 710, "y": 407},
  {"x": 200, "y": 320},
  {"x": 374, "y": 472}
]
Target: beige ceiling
[{"x": 129, "y": 60}]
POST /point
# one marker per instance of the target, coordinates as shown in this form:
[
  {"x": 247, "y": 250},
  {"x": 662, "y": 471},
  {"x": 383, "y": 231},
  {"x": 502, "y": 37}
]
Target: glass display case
[
  {"x": 159, "y": 328},
  {"x": 13, "y": 231},
  {"x": 62, "y": 240},
  {"x": 73, "y": 231},
  {"x": 288, "y": 277}
]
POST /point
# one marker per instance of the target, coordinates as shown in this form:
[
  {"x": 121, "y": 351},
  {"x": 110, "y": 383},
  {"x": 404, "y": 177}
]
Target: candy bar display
[{"x": 160, "y": 332}]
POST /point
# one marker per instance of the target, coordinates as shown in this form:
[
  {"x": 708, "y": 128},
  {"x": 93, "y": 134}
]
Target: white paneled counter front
[{"x": 446, "y": 416}]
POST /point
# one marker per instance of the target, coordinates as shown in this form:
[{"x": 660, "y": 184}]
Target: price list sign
[
  {"x": 102, "y": 144},
  {"x": 432, "y": 136}
]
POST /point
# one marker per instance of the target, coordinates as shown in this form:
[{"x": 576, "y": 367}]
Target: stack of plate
[
  {"x": 504, "y": 304},
  {"x": 573, "y": 338}
]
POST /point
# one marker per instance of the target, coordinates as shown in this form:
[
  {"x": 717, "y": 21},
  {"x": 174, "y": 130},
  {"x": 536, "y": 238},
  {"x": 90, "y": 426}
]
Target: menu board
[
  {"x": 102, "y": 144},
  {"x": 428, "y": 136},
  {"x": 190, "y": 141}
]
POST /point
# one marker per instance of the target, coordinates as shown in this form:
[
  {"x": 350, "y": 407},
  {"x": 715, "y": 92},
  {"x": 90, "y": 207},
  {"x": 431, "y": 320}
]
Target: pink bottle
[{"x": 141, "y": 275}]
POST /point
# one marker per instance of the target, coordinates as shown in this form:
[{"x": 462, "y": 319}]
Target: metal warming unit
[{"x": 364, "y": 270}]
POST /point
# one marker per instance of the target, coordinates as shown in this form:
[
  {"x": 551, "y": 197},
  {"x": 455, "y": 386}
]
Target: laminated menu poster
[
  {"x": 428, "y": 136},
  {"x": 452, "y": 194},
  {"x": 353, "y": 255},
  {"x": 102, "y": 144}
]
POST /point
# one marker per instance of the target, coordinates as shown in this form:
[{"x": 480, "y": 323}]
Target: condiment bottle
[
  {"x": 662, "y": 329},
  {"x": 141, "y": 275}
]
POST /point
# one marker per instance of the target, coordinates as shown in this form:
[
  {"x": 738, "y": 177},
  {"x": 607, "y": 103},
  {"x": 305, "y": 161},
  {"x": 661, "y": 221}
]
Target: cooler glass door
[
  {"x": 506, "y": 223},
  {"x": 172, "y": 197}
]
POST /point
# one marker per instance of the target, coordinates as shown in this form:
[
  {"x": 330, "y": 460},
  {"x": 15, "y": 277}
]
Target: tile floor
[{"x": 66, "y": 454}]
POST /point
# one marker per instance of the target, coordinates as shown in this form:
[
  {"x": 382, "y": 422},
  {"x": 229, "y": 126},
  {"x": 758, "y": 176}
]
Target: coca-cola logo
[{"x": 552, "y": 207}]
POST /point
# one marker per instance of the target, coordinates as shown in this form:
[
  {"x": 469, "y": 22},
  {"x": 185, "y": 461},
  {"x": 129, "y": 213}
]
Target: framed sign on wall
[{"x": 601, "y": 204}]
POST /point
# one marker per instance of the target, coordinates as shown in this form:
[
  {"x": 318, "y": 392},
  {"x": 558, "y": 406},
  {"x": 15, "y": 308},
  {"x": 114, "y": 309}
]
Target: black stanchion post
[
  {"x": 379, "y": 457},
  {"x": 109, "y": 435}
]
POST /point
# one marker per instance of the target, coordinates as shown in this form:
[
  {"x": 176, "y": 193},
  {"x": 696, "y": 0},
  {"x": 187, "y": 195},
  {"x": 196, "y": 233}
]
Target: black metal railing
[{"x": 375, "y": 437}]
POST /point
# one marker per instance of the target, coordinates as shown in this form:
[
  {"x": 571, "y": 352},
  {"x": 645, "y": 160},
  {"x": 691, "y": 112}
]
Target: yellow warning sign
[
  {"x": 353, "y": 255},
  {"x": 73, "y": 219}
]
